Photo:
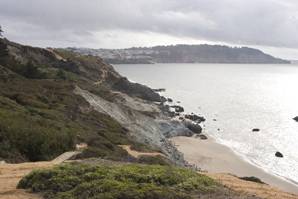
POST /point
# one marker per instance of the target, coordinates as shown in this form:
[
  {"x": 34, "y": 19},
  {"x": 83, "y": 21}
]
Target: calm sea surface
[{"x": 239, "y": 97}]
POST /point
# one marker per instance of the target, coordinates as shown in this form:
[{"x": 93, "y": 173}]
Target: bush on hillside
[{"x": 131, "y": 181}]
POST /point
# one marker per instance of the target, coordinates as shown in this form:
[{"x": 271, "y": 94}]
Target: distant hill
[{"x": 183, "y": 54}]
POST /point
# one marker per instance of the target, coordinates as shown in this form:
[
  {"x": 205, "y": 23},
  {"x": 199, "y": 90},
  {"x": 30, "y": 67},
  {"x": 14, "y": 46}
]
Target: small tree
[{"x": 1, "y": 31}]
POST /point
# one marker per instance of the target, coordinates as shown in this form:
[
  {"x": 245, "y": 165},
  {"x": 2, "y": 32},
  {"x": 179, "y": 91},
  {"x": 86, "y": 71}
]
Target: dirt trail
[
  {"x": 260, "y": 190},
  {"x": 137, "y": 154},
  {"x": 59, "y": 57},
  {"x": 103, "y": 77},
  {"x": 11, "y": 174}
]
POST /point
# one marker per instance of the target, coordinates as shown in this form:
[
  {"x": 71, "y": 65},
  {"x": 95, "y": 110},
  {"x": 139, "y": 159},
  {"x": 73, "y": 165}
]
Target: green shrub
[
  {"x": 131, "y": 181},
  {"x": 40, "y": 119},
  {"x": 160, "y": 160},
  {"x": 144, "y": 148}
]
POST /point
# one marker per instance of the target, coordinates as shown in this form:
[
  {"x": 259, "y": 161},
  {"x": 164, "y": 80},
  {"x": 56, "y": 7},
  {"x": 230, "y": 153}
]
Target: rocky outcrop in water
[
  {"x": 279, "y": 154},
  {"x": 195, "y": 118},
  {"x": 296, "y": 118}
]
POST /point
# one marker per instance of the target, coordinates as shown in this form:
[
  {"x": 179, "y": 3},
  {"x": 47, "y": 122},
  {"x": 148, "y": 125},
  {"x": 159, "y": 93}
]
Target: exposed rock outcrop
[
  {"x": 145, "y": 129},
  {"x": 137, "y": 90},
  {"x": 194, "y": 127}
]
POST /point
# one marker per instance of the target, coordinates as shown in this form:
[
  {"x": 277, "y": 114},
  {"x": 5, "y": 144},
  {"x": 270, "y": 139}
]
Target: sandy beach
[{"x": 216, "y": 158}]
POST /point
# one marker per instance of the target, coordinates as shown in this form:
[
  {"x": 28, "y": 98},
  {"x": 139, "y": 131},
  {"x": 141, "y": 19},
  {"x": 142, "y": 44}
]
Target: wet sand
[{"x": 216, "y": 158}]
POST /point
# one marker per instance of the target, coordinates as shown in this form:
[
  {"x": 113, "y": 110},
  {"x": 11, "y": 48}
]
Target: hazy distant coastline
[{"x": 183, "y": 54}]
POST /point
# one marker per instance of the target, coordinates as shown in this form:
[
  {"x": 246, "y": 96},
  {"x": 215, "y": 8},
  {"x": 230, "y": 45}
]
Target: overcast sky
[{"x": 271, "y": 25}]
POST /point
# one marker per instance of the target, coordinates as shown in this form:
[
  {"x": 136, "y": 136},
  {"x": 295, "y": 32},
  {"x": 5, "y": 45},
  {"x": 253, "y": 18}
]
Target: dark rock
[
  {"x": 255, "y": 130},
  {"x": 171, "y": 114},
  {"x": 218, "y": 129},
  {"x": 252, "y": 179},
  {"x": 137, "y": 90},
  {"x": 174, "y": 128},
  {"x": 181, "y": 118},
  {"x": 170, "y": 100},
  {"x": 279, "y": 154},
  {"x": 214, "y": 120},
  {"x": 202, "y": 137},
  {"x": 195, "y": 128},
  {"x": 159, "y": 90},
  {"x": 166, "y": 110},
  {"x": 178, "y": 102},
  {"x": 195, "y": 118},
  {"x": 178, "y": 109},
  {"x": 296, "y": 118}
]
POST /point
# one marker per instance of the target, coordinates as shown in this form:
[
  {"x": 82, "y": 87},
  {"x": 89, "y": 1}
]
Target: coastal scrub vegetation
[
  {"x": 125, "y": 181},
  {"x": 41, "y": 117}
]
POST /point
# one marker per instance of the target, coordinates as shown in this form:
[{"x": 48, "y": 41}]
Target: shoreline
[{"x": 214, "y": 157}]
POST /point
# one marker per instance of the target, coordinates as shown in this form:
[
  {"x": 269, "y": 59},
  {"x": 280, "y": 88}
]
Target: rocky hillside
[
  {"x": 183, "y": 54},
  {"x": 51, "y": 100}
]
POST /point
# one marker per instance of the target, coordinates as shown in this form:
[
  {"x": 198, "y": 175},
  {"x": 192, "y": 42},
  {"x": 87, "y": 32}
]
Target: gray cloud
[{"x": 272, "y": 23}]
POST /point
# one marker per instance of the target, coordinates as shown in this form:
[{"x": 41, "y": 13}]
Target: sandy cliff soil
[
  {"x": 219, "y": 162},
  {"x": 236, "y": 184},
  {"x": 260, "y": 190}
]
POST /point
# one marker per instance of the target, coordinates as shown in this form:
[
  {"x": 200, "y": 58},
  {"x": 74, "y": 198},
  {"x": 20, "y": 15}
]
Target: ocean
[{"x": 236, "y": 98}]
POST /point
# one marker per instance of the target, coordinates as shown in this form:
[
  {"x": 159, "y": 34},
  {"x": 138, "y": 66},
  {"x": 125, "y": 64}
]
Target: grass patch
[
  {"x": 144, "y": 148},
  {"x": 132, "y": 181},
  {"x": 154, "y": 160}
]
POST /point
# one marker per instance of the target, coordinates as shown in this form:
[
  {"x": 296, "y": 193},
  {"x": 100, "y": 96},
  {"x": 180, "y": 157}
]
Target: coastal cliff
[{"x": 57, "y": 97}]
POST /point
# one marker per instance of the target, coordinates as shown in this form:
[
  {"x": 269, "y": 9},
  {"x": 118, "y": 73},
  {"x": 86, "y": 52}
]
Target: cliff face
[
  {"x": 184, "y": 54},
  {"x": 51, "y": 100}
]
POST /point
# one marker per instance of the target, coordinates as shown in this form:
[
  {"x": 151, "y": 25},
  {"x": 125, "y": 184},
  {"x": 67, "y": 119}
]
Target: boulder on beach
[
  {"x": 279, "y": 154},
  {"x": 195, "y": 128},
  {"x": 178, "y": 109},
  {"x": 170, "y": 100},
  {"x": 296, "y": 118},
  {"x": 159, "y": 90},
  {"x": 255, "y": 130},
  {"x": 202, "y": 136},
  {"x": 195, "y": 118}
]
